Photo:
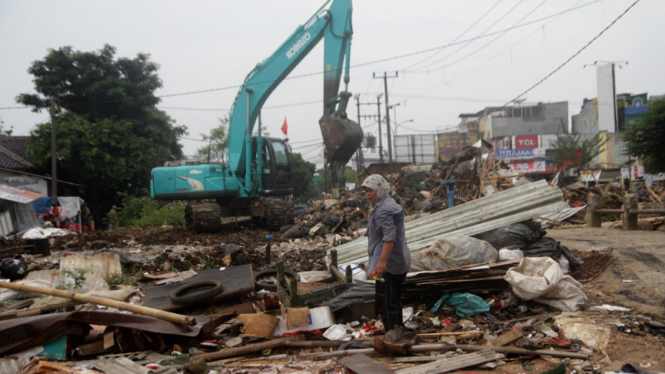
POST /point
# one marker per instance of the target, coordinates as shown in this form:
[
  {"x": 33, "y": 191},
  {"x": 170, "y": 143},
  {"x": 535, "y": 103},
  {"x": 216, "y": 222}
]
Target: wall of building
[
  {"x": 551, "y": 118},
  {"x": 24, "y": 182}
]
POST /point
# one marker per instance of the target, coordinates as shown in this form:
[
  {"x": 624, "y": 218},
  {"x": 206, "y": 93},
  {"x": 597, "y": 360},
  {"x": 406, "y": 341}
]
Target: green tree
[
  {"x": 110, "y": 135},
  {"x": 217, "y": 141},
  {"x": 303, "y": 172},
  {"x": 324, "y": 181},
  {"x": 646, "y": 138},
  {"x": 571, "y": 152}
]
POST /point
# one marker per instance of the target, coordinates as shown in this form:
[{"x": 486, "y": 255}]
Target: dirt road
[{"x": 633, "y": 277}]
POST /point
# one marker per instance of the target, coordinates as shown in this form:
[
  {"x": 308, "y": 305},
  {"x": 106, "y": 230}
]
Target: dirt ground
[{"x": 632, "y": 276}]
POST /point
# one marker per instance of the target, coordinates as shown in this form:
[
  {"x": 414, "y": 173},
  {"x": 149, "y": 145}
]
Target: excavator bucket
[{"x": 341, "y": 138}]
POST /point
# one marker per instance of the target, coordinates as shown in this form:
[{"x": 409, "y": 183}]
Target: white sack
[
  {"x": 453, "y": 251},
  {"x": 506, "y": 254},
  {"x": 541, "y": 279}
]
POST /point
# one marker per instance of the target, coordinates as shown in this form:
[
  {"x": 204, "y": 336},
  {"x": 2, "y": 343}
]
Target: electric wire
[
  {"x": 458, "y": 36},
  {"x": 490, "y": 42},
  {"x": 505, "y": 50},
  {"x": 410, "y": 54},
  {"x": 480, "y": 34},
  {"x": 575, "y": 54}
]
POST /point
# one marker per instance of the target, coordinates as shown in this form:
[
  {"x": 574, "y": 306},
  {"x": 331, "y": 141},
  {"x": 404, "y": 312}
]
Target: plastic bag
[
  {"x": 541, "y": 279},
  {"x": 455, "y": 251},
  {"x": 518, "y": 235},
  {"x": 14, "y": 268},
  {"x": 506, "y": 254},
  {"x": 466, "y": 304},
  {"x": 552, "y": 249}
]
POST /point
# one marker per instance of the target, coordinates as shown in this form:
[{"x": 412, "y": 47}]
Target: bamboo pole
[
  {"x": 505, "y": 350},
  {"x": 422, "y": 348},
  {"x": 326, "y": 343},
  {"x": 247, "y": 349},
  {"x": 160, "y": 314},
  {"x": 36, "y": 311}
]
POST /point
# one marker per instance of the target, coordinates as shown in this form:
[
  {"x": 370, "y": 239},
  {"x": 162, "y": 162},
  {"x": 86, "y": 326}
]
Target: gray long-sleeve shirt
[{"x": 387, "y": 225}]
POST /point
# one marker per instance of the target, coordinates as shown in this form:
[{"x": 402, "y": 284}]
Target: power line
[
  {"x": 481, "y": 33},
  {"x": 575, "y": 54},
  {"x": 482, "y": 36},
  {"x": 505, "y": 50},
  {"x": 352, "y": 66},
  {"x": 460, "y": 35},
  {"x": 491, "y": 41}
]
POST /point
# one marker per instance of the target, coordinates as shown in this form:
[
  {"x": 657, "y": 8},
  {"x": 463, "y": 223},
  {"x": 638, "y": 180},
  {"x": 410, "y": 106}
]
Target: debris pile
[{"x": 495, "y": 292}]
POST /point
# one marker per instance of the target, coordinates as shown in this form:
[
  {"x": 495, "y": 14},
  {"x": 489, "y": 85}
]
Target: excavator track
[
  {"x": 203, "y": 217},
  {"x": 273, "y": 213},
  {"x": 270, "y": 213}
]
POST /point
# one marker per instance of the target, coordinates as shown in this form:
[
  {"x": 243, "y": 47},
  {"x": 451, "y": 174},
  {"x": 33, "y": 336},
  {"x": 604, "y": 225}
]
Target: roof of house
[{"x": 13, "y": 153}]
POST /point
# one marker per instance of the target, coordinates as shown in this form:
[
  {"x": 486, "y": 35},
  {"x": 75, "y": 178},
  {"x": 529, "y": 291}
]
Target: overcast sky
[{"x": 203, "y": 45}]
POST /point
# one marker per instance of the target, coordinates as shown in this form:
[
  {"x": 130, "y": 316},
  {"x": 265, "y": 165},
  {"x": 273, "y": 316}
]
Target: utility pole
[
  {"x": 359, "y": 151},
  {"x": 378, "y": 107},
  {"x": 54, "y": 168},
  {"x": 385, "y": 87}
]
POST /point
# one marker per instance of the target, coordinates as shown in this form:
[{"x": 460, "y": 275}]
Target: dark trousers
[{"x": 388, "y": 299}]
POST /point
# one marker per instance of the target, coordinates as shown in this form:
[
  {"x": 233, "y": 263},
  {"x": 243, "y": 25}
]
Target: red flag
[{"x": 285, "y": 126}]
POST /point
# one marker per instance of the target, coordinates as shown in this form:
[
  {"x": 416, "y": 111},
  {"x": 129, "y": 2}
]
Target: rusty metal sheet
[
  {"x": 18, "y": 195},
  {"x": 237, "y": 281},
  {"x": 362, "y": 364}
]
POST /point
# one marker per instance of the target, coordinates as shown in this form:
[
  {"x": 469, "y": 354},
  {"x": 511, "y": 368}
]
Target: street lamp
[
  {"x": 395, "y": 132},
  {"x": 401, "y": 123}
]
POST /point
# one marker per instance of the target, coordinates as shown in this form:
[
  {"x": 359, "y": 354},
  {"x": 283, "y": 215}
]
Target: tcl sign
[{"x": 526, "y": 141}]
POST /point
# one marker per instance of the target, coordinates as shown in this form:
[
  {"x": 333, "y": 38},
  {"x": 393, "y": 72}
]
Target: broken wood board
[
  {"x": 362, "y": 364},
  {"x": 237, "y": 281},
  {"x": 507, "y": 338},
  {"x": 453, "y": 363}
]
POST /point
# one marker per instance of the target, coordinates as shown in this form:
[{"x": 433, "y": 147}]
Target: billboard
[
  {"x": 453, "y": 142},
  {"x": 606, "y": 98},
  {"x": 416, "y": 149},
  {"x": 526, "y": 141},
  {"x": 528, "y": 167},
  {"x": 511, "y": 154}
]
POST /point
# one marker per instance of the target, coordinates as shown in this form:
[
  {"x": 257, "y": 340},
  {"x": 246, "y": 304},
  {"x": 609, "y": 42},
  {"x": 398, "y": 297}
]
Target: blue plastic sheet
[
  {"x": 42, "y": 204},
  {"x": 466, "y": 304}
]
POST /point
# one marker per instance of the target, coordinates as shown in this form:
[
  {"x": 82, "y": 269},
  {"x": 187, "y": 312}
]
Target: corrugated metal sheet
[
  {"x": 17, "y": 195},
  {"x": 12, "y": 366},
  {"x": 477, "y": 216},
  {"x": 453, "y": 363},
  {"x": 120, "y": 365}
]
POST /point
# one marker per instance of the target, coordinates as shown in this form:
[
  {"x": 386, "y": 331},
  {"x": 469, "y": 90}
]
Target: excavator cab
[{"x": 276, "y": 165}]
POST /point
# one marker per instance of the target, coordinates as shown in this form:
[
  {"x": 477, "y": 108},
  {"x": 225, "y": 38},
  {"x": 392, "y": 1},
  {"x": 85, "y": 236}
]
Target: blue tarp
[{"x": 42, "y": 204}]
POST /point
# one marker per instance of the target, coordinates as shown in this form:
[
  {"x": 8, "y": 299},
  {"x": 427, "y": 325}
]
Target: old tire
[
  {"x": 267, "y": 279},
  {"x": 196, "y": 292}
]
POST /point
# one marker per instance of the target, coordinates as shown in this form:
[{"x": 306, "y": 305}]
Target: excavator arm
[{"x": 341, "y": 136}]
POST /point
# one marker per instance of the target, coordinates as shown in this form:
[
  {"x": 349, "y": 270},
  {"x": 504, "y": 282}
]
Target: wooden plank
[
  {"x": 653, "y": 194},
  {"x": 453, "y": 363},
  {"x": 362, "y": 364},
  {"x": 507, "y": 338}
]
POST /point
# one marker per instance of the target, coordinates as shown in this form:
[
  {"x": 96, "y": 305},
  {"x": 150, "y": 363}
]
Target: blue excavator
[{"x": 257, "y": 178}]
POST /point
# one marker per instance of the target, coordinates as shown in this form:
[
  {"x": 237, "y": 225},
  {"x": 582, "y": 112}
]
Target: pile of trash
[
  {"x": 345, "y": 214},
  {"x": 480, "y": 309}
]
